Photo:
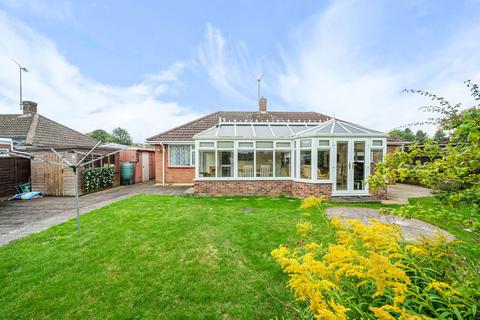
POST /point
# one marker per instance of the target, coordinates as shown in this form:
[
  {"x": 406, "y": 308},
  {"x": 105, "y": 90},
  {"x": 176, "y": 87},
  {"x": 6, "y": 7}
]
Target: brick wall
[
  {"x": 305, "y": 189},
  {"x": 391, "y": 149},
  {"x": 245, "y": 187},
  {"x": 172, "y": 174}
]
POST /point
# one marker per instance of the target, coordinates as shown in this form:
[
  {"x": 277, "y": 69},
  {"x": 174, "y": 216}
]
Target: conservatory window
[
  {"x": 323, "y": 164},
  {"x": 377, "y": 143},
  {"x": 180, "y": 155},
  {"x": 225, "y": 144},
  {"x": 245, "y": 163},
  {"x": 207, "y": 144},
  {"x": 376, "y": 156},
  {"x": 225, "y": 163},
  {"x": 264, "y": 163},
  {"x": 282, "y": 163},
  {"x": 305, "y": 164},
  {"x": 207, "y": 163}
]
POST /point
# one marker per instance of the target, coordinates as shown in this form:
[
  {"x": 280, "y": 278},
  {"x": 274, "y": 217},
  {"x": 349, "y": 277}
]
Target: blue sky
[{"x": 150, "y": 65}]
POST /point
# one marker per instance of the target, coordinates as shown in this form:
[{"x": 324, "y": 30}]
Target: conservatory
[{"x": 332, "y": 158}]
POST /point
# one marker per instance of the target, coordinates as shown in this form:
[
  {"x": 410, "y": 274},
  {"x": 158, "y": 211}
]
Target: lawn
[{"x": 150, "y": 257}]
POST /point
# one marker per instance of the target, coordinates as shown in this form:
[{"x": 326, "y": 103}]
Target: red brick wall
[
  {"x": 245, "y": 187},
  {"x": 172, "y": 174},
  {"x": 391, "y": 149},
  {"x": 305, "y": 189},
  {"x": 262, "y": 187}
]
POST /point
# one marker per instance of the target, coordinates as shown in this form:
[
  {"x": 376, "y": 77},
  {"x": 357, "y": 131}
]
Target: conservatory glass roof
[{"x": 285, "y": 130}]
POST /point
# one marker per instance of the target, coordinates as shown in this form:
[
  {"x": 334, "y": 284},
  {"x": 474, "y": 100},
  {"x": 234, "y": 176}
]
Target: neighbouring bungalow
[
  {"x": 35, "y": 134},
  {"x": 270, "y": 153}
]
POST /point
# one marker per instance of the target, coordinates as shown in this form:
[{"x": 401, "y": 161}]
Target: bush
[
  {"x": 371, "y": 273},
  {"x": 95, "y": 179}
]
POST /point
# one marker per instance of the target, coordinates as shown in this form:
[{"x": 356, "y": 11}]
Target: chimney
[
  {"x": 262, "y": 105},
  {"x": 29, "y": 107}
]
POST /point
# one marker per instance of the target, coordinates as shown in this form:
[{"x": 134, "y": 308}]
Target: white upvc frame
[
  {"x": 368, "y": 147},
  {"x": 191, "y": 164},
  {"x": 235, "y": 150}
]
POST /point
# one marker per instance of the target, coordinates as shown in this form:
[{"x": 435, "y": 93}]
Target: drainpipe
[{"x": 163, "y": 164}]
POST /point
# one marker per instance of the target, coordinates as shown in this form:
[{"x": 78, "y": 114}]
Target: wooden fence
[{"x": 12, "y": 172}]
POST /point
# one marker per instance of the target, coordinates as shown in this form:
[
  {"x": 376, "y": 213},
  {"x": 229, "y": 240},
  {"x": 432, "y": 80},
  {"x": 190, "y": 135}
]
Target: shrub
[
  {"x": 369, "y": 272},
  {"x": 95, "y": 179}
]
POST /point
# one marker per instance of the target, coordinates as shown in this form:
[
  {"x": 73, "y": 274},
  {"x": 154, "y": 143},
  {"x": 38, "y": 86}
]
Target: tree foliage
[
  {"x": 454, "y": 171},
  {"x": 121, "y": 136},
  {"x": 100, "y": 135}
]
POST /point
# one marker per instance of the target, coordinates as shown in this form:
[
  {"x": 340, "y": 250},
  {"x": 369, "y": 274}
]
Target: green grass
[{"x": 150, "y": 257}]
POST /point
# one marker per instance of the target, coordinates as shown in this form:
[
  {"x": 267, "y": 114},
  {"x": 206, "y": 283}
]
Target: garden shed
[{"x": 142, "y": 158}]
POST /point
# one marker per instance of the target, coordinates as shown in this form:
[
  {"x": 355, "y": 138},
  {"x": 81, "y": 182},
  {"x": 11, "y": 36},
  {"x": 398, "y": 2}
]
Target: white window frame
[
  {"x": 190, "y": 159},
  {"x": 330, "y": 162}
]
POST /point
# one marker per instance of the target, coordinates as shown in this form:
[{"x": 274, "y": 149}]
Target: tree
[
  {"x": 439, "y": 136},
  {"x": 421, "y": 136},
  {"x": 454, "y": 170},
  {"x": 100, "y": 135},
  {"x": 405, "y": 134},
  {"x": 121, "y": 136}
]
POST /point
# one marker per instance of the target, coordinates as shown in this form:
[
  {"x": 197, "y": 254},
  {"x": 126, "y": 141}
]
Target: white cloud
[
  {"x": 64, "y": 94},
  {"x": 325, "y": 68},
  {"x": 228, "y": 66}
]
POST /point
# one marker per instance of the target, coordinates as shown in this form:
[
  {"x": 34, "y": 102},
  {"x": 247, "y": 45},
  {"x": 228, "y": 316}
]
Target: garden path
[
  {"x": 412, "y": 229},
  {"x": 19, "y": 219},
  {"x": 399, "y": 193}
]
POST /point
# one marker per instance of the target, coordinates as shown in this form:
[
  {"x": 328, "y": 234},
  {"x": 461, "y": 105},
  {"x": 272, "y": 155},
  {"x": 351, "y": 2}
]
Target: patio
[{"x": 22, "y": 218}]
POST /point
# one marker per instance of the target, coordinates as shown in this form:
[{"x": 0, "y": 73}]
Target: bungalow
[
  {"x": 35, "y": 134},
  {"x": 271, "y": 153}
]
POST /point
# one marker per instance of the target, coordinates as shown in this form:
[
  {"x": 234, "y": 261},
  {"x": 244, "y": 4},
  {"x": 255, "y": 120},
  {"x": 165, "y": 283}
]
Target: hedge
[{"x": 95, "y": 179}]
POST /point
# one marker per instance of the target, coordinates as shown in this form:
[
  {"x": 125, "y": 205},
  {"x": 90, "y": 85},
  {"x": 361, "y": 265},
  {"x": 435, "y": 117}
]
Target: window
[
  {"x": 323, "y": 164},
  {"x": 245, "y": 144},
  {"x": 282, "y": 163},
  {"x": 264, "y": 163},
  {"x": 305, "y": 143},
  {"x": 376, "y": 156},
  {"x": 377, "y": 143},
  {"x": 245, "y": 163},
  {"x": 180, "y": 155},
  {"x": 207, "y": 144},
  {"x": 306, "y": 164},
  {"x": 4, "y": 152},
  {"x": 225, "y": 164},
  {"x": 207, "y": 163},
  {"x": 283, "y": 144},
  {"x": 225, "y": 144},
  {"x": 323, "y": 143},
  {"x": 264, "y": 144}
]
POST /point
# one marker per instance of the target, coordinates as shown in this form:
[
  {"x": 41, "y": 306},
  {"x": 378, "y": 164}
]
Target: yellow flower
[
  {"x": 312, "y": 202},
  {"x": 304, "y": 228},
  {"x": 312, "y": 246}
]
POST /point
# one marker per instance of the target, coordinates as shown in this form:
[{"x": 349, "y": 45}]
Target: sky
[{"x": 148, "y": 66}]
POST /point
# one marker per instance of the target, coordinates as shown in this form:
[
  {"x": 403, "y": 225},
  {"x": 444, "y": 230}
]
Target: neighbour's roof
[
  {"x": 38, "y": 131},
  {"x": 397, "y": 141},
  {"x": 186, "y": 131}
]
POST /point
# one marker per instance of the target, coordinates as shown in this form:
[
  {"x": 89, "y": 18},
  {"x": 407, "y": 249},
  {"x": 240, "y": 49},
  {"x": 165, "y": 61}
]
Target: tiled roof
[
  {"x": 39, "y": 131},
  {"x": 186, "y": 131},
  {"x": 394, "y": 140}
]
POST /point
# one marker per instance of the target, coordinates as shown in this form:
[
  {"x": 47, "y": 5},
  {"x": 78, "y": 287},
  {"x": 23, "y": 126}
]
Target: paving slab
[
  {"x": 399, "y": 193},
  {"x": 413, "y": 229},
  {"x": 19, "y": 219}
]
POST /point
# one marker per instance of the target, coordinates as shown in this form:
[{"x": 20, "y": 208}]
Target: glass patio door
[{"x": 350, "y": 167}]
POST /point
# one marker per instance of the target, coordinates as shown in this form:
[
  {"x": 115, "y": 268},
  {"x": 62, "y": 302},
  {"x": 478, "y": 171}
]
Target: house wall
[
  {"x": 262, "y": 187},
  {"x": 172, "y": 174},
  {"x": 13, "y": 171}
]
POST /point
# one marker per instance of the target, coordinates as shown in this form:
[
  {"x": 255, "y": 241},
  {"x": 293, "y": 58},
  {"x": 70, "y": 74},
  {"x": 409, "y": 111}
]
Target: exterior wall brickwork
[
  {"x": 259, "y": 187},
  {"x": 305, "y": 189},
  {"x": 172, "y": 174},
  {"x": 262, "y": 187}
]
